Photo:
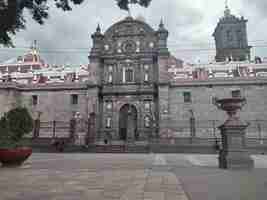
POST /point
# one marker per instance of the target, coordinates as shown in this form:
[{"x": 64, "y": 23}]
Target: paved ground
[{"x": 131, "y": 176}]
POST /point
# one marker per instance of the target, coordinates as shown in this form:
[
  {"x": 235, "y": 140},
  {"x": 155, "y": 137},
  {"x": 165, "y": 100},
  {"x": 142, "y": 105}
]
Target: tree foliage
[
  {"x": 14, "y": 125},
  {"x": 124, "y": 4},
  {"x": 12, "y": 19}
]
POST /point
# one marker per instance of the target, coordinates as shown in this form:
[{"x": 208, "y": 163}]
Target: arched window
[
  {"x": 239, "y": 38},
  {"x": 229, "y": 35}
]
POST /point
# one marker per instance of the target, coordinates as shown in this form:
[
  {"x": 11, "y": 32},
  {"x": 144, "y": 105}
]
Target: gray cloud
[
  {"x": 257, "y": 6},
  {"x": 190, "y": 25}
]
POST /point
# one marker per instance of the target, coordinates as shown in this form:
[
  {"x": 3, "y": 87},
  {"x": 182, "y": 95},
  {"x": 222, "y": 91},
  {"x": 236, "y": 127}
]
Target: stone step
[
  {"x": 137, "y": 148},
  {"x": 110, "y": 148}
]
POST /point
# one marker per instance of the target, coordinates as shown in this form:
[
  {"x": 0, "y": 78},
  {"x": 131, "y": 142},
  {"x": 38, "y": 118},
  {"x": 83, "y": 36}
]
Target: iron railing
[{"x": 173, "y": 132}]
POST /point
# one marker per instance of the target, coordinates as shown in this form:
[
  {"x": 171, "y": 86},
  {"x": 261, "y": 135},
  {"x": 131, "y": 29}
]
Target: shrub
[{"x": 14, "y": 125}]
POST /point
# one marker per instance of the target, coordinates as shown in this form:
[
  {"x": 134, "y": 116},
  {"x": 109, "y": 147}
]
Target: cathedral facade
[{"x": 126, "y": 59}]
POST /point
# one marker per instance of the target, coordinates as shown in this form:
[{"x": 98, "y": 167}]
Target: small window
[
  {"x": 187, "y": 97},
  {"x": 34, "y": 100},
  {"x": 236, "y": 93},
  {"x": 129, "y": 75},
  {"x": 74, "y": 99}
]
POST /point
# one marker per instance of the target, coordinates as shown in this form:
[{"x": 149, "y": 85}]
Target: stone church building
[{"x": 135, "y": 90}]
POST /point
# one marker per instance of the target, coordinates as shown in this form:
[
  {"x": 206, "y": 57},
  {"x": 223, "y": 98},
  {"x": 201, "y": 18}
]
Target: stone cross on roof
[
  {"x": 227, "y": 11},
  {"x": 226, "y": 3}
]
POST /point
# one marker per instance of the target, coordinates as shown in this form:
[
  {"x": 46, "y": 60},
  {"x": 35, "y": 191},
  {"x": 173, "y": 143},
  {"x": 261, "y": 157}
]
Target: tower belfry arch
[{"x": 231, "y": 37}]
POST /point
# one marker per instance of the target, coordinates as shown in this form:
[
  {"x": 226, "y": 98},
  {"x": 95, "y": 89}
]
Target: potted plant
[{"x": 14, "y": 125}]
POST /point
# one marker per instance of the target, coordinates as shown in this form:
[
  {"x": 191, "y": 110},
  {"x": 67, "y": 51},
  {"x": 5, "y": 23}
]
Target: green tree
[
  {"x": 14, "y": 125},
  {"x": 12, "y": 19}
]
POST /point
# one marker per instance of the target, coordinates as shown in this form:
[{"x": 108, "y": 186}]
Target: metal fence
[
  {"x": 209, "y": 129},
  {"x": 205, "y": 129},
  {"x": 206, "y": 132},
  {"x": 58, "y": 129},
  {"x": 54, "y": 129}
]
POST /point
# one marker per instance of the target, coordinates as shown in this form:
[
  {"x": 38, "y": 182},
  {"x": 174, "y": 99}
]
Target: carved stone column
[{"x": 130, "y": 127}]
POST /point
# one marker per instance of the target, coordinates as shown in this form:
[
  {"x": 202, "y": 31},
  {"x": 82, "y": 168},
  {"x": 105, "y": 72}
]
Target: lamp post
[
  {"x": 87, "y": 139},
  {"x": 192, "y": 122},
  {"x": 73, "y": 126},
  {"x": 36, "y": 130},
  {"x": 78, "y": 118}
]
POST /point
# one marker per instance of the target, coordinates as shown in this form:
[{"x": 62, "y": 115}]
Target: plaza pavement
[{"x": 131, "y": 177}]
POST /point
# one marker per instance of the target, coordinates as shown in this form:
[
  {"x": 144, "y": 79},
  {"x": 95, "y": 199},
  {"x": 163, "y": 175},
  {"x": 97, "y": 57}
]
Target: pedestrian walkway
[
  {"x": 131, "y": 177},
  {"x": 212, "y": 160},
  {"x": 91, "y": 176}
]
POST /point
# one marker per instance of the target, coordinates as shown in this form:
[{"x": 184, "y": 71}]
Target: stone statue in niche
[
  {"x": 147, "y": 121},
  {"x": 164, "y": 108}
]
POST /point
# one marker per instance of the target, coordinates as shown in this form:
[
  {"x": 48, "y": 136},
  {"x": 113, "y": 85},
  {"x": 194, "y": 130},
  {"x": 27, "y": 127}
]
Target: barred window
[
  {"x": 74, "y": 99},
  {"x": 187, "y": 97},
  {"x": 34, "y": 100},
  {"x": 236, "y": 93}
]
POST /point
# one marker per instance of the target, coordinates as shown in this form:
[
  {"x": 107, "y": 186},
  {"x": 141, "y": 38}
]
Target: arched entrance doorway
[{"x": 128, "y": 122}]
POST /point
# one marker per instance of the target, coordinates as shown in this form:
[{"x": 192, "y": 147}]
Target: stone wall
[
  {"x": 53, "y": 101},
  {"x": 9, "y": 97},
  {"x": 205, "y": 113}
]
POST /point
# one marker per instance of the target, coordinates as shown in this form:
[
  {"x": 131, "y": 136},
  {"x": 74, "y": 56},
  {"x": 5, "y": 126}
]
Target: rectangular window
[
  {"x": 74, "y": 99},
  {"x": 129, "y": 75},
  {"x": 34, "y": 100},
  {"x": 187, "y": 97},
  {"x": 236, "y": 93}
]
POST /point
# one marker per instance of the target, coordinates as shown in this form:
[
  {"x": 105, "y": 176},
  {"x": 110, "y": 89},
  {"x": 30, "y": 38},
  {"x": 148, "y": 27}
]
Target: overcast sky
[{"x": 190, "y": 24}]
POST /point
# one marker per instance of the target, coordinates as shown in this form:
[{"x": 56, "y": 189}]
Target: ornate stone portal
[{"x": 233, "y": 154}]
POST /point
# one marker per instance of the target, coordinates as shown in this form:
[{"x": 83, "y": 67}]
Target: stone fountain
[{"x": 233, "y": 154}]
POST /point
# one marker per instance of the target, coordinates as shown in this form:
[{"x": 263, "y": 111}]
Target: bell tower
[{"x": 231, "y": 38}]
